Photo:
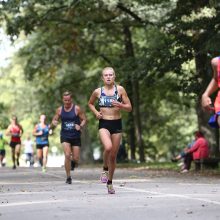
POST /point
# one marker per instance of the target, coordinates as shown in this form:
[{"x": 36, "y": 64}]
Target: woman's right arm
[
  {"x": 8, "y": 131},
  {"x": 35, "y": 132},
  {"x": 91, "y": 104}
]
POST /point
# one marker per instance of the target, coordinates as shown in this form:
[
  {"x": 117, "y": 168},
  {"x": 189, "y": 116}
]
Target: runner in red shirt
[{"x": 15, "y": 130}]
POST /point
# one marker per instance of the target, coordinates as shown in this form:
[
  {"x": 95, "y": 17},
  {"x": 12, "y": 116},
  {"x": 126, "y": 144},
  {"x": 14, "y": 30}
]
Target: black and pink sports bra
[{"x": 106, "y": 101}]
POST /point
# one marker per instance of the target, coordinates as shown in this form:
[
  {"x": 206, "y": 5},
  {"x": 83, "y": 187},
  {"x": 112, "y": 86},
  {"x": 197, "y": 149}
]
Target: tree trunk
[
  {"x": 137, "y": 119},
  {"x": 86, "y": 150},
  {"x": 130, "y": 124},
  {"x": 129, "y": 52}
]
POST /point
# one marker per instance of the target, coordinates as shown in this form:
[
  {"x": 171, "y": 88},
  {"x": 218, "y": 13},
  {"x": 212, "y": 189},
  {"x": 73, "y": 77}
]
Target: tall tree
[{"x": 69, "y": 41}]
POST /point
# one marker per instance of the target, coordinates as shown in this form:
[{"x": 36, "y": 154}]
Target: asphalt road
[{"x": 27, "y": 193}]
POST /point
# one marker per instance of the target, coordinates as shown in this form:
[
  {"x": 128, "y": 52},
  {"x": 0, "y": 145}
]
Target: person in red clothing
[
  {"x": 15, "y": 130},
  {"x": 199, "y": 150}
]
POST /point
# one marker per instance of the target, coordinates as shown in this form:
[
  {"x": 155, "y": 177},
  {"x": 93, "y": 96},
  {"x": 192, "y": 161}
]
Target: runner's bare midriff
[{"x": 110, "y": 113}]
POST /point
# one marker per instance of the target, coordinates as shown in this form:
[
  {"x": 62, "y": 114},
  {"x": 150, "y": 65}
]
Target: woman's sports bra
[{"x": 106, "y": 101}]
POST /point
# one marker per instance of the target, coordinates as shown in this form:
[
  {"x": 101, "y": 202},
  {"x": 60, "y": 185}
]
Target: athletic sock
[
  {"x": 109, "y": 182},
  {"x": 105, "y": 168},
  {"x": 41, "y": 162}
]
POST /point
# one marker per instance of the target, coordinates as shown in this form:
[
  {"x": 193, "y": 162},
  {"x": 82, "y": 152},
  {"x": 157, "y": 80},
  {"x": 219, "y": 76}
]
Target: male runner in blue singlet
[{"x": 72, "y": 120}]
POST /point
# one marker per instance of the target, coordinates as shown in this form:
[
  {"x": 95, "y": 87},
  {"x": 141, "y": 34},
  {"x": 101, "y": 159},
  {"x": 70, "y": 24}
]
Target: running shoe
[
  {"x": 180, "y": 164},
  {"x": 69, "y": 180},
  {"x": 184, "y": 171},
  {"x": 104, "y": 177},
  {"x": 110, "y": 189},
  {"x": 44, "y": 170},
  {"x": 14, "y": 167}
]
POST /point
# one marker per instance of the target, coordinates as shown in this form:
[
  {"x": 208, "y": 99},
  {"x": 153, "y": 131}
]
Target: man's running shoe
[
  {"x": 104, "y": 177},
  {"x": 69, "y": 180},
  {"x": 14, "y": 167},
  {"x": 110, "y": 189},
  {"x": 44, "y": 170}
]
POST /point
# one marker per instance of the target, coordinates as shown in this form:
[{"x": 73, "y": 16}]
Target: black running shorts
[
  {"x": 113, "y": 126},
  {"x": 72, "y": 141}
]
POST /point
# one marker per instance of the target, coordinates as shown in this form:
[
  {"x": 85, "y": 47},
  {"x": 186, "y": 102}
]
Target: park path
[{"x": 27, "y": 193}]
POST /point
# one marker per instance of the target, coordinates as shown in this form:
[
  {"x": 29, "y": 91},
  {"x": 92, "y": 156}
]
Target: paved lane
[{"x": 27, "y": 193}]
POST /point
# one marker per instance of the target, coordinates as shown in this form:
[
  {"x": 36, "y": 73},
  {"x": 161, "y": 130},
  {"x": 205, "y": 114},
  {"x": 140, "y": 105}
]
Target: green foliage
[
  {"x": 3, "y": 116},
  {"x": 67, "y": 43}
]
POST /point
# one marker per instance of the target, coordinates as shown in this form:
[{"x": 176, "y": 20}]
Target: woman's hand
[
  {"x": 206, "y": 102},
  {"x": 98, "y": 115},
  {"x": 40, "y": 133},
  {"x": 117, "y": 104}
]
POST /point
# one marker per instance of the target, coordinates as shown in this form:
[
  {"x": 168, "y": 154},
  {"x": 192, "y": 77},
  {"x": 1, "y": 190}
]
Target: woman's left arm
[
  {"x": 21, "y": 130},
  {"x": 126, "y": 103}
]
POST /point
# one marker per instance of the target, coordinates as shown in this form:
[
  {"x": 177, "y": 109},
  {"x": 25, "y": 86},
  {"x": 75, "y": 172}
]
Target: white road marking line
[
  {"x": 41, "y": 183},
  {"x": 200, "y": 184},
  {"x": 132, "y": 180},
  {"x": 156, "y": 194},
  {"x": 27, "y": 183},
  {"x": 31, "y": 203}
]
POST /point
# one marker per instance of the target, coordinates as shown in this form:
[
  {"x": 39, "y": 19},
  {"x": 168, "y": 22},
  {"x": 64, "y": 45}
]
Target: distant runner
[
  {"x": 41, "y": 132},
  {"x": 15, "y": 130}
]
